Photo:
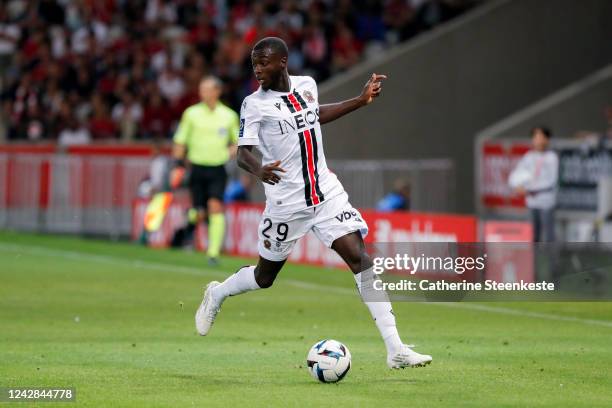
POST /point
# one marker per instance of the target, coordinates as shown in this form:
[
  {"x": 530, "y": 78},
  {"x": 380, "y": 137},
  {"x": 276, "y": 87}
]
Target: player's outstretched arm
[
  {"x": 250, "y": 163},
  {"x": 371, "y": 90}
]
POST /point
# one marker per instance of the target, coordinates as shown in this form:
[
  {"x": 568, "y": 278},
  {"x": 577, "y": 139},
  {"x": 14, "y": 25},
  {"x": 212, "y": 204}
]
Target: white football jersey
[{"x": 285, "y": 126}]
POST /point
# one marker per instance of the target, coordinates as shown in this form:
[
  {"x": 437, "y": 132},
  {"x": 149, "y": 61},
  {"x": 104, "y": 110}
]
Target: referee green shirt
[{"x": 207, "y": 133}]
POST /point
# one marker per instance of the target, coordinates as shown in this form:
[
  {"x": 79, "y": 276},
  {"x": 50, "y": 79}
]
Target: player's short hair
[
  {"x": 275, "y": 44},
  {"x": 215, "y": 80},
  {"x": 544, "y": 129}
]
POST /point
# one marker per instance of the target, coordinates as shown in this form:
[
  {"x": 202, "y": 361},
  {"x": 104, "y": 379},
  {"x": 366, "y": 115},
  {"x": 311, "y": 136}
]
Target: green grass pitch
[{"x": 115, "y": 321}]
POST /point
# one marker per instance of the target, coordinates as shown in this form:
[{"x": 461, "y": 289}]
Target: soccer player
[
  {"x": 282, "y": 119},
  {"x": 207, "y": 136}
]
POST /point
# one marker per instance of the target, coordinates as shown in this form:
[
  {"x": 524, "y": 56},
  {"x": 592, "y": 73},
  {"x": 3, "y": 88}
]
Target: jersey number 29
[{"x": 281, "y": 230}]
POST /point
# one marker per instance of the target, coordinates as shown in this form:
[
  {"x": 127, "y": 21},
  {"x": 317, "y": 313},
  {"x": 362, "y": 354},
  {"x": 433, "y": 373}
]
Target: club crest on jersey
[
  {"x": 309, "y": 97},
  {"x": 278, "y": 105}
]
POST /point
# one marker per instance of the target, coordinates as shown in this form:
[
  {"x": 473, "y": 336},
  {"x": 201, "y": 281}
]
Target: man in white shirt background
[
  {"x": 535, "y": 176},
  {"x": 74, "y": 133}
]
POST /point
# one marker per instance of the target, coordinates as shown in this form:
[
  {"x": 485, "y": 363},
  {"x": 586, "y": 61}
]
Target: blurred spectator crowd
[{"x": 83, "y": 70}]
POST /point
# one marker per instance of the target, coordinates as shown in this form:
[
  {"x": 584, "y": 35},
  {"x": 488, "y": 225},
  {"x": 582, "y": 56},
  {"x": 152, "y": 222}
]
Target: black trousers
[{"x": 543, "y": 224}]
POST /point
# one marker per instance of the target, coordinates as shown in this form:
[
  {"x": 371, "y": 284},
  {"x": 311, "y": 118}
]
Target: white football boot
[
  {"x": 406, "y": 357},
  {"x": 205, "y": 316}
]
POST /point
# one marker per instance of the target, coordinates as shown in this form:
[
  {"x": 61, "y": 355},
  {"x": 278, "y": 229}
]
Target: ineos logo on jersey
[
  {"x": 299, "y": 121},
  {"x": 347, "y": 215}
]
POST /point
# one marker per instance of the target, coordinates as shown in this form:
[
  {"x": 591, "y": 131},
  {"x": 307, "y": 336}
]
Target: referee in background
[{"x": 206, "y": 137}]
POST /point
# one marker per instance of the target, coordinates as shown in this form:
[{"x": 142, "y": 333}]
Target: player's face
[{"x": 267, "y": 67}]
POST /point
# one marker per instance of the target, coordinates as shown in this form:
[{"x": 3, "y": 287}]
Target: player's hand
[
  {"x": 372, "y": 88},
  {"x": 267, "y": 173},
  {"x": 520, "y": 191}
]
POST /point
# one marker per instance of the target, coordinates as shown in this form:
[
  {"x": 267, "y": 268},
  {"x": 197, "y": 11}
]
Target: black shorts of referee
[{"x": 206, "y": 182}]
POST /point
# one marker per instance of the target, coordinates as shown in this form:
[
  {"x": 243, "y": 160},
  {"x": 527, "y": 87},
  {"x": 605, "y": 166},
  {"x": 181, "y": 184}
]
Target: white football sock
[
  {"x": 380, "y": 309},
  {"x": 240, "y": 282}
]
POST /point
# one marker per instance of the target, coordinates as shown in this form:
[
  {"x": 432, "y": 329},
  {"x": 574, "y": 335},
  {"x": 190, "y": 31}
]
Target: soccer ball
[{"x": 328, "y": 361}]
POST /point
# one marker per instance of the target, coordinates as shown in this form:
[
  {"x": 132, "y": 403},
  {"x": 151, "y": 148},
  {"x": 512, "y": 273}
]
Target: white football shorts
[{"x": 334, "y": 218}]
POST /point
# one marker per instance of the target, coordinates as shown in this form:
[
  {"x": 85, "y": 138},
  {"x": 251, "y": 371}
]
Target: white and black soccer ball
[{"x": 328, "y": 361}]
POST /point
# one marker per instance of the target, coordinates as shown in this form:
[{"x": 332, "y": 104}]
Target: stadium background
[
  {"x": 121, "y": 73},
  {"x": 467, "y": 80}
]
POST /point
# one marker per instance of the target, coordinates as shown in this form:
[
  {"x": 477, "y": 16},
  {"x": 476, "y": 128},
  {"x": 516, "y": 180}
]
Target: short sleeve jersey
[
  {"x": 285, "y": 126},
  {"x": 207, "y": 133}
]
